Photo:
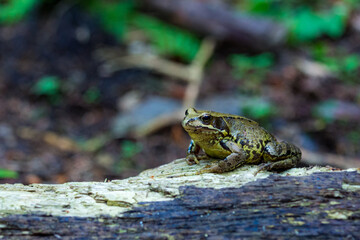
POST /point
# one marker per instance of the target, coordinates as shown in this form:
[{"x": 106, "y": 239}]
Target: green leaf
[
  {"x": 5, "y": 173},
  {"x": 14, "y": 10},
  {"x": 334, "y": 22},
  {"x": 257, "y": 65},
  {"x": 351, "y": 63},
  {"x": 92, "y": 95},
  {"x": 258, "y": 108},
  {"x": 306, "y": 20},
  {"x": 260, "y": 6},
  {"x": 114, "y": 15},
  {"x": 168, "y": 39},
  {"x": 264, "y": 60},
  {"x": 306, "y": 25},
  {"x": 47, "y": 85},
  {"x": 129, "y": 149},
  {"x": 332, "y": 64},
  {"x": 319, "y": 51}
]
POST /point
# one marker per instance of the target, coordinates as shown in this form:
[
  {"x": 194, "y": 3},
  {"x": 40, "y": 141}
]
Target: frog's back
[{"x": 247, "y": 130}]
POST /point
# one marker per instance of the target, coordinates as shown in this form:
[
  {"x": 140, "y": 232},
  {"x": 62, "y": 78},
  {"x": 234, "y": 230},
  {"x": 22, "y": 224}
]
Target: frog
[{"x": 235, "y": 141}]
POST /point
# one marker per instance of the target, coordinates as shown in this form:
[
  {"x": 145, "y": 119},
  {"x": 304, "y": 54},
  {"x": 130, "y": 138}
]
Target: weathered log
[
  {"x": 220, "y": 22},
  {"x": 170, "y": 202}
]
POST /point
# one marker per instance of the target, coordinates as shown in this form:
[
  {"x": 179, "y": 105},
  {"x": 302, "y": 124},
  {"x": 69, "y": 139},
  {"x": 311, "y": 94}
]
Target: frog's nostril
[{"x": 186, "y": 112}]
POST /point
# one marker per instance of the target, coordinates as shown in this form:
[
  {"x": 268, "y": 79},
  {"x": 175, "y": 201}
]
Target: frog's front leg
[
  {"x": 237, "y": 158},
  {"x": 192, "y": 156},
  {"x": 280, "y": 155}
]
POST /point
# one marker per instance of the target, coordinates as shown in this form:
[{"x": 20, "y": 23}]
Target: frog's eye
[{"x": 205, "y": 118}]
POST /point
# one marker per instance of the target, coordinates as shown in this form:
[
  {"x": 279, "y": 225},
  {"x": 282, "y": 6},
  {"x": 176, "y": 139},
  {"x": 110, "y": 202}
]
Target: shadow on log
[{"x": 323, "y": 205}]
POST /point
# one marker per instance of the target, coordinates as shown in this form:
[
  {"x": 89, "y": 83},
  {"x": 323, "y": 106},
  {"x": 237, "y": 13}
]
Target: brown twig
[
  {"x": 196, "y": 71},
  {"x": 64, "y": 143},
  {"x": 159, "y": 123},
  {"x": 221, "y": 22},
  {"x": 53, "y": 139},
  {"x": 193, "y": 74}
]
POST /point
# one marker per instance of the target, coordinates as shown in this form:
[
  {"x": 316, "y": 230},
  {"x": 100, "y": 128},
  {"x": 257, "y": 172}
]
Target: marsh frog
[{"x": 236, "y": 141}]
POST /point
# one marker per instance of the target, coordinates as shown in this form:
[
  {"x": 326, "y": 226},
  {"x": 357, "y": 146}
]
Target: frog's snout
[{"x": 186, "y": 123}]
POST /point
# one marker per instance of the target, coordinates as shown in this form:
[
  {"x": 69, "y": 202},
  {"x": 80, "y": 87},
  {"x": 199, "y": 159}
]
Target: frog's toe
[
  {"x": 279, "y": 165},
  {"x": 204, "y": 170},
  {"x": 262, "y": 167},
  {"x": 191, "y": 160},
  {"x": 210, "y": 169}
]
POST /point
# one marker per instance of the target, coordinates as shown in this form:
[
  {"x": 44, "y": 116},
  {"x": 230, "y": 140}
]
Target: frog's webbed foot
[
  {"x": 282, "y": 164},
  {"x": 209, "y": 169},
  {"x": 192, "y": 159},
  {"x": 206, "y": 169},
  {"x": 263, "y": 166}
]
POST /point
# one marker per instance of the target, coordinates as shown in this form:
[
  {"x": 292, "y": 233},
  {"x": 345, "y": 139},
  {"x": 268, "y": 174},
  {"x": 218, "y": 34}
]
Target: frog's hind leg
[
  {"x": 282, "y": 164},
  {"x": 236, "y": 159},
  {"x": 281, "y": 155}
]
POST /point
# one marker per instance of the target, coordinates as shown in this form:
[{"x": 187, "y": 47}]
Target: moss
[
  {"x": 353, "y": 187},
  {"x": 119, "y": 204},
  {"x": 293, "y": 221},
  {"x": 339, "y": 214}
]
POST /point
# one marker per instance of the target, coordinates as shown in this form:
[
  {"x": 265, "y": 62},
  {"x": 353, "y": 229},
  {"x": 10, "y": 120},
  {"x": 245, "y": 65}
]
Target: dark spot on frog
[
  {"x": 243, "y": 142},
  {"x": 262, "y": 148},
  {"x": 247, "y": 151},
  {"x": 223, "y": 145},
  {"x": 288, "y": 152},
  {"x": 261, "y": 142},
  {"x": 254, "y": 152},
  {"x": 258, "y": 145}
]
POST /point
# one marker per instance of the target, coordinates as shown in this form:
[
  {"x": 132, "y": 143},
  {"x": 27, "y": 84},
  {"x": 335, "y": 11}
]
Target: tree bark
[{"x": 170, "y": 202}]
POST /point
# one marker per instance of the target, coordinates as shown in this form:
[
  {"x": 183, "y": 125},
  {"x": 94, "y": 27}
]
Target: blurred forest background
[{"x": 94, "y": 90}]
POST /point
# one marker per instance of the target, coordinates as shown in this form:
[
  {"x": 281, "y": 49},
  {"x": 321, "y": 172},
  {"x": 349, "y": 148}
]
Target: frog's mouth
[{"x": 200, "y": 129}]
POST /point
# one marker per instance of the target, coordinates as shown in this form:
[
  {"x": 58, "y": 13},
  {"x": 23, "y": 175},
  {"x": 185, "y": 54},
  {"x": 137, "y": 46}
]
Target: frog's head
[{"x": 198, "y": 122}]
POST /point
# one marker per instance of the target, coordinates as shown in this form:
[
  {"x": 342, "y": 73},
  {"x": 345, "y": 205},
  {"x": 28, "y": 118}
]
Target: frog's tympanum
[{"x": 236, "y": 141}]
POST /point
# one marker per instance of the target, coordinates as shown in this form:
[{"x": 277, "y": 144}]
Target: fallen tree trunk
[
  {"x": 172, "y": 202},
  {"x": 218, "y": 21}
]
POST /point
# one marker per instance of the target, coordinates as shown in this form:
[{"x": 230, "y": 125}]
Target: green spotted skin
[{"x": 236, "y": 141}]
